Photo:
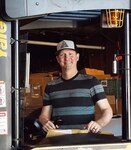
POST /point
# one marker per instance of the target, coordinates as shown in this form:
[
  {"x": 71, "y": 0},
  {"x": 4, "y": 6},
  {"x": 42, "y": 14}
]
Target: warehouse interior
[{"x": 97, "y": 45}]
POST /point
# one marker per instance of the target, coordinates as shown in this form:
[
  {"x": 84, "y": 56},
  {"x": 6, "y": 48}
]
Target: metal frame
[{"x": 32, "y": 8}]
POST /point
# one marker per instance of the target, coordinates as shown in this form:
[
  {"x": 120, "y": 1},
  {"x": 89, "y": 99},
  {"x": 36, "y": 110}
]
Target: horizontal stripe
[
  {"x": 46, "y": 96},
  {"x": 99, "y": 97},
  {"x": 96, "y": 89},
  {"x": 84, "y": 77},
  {"x": 79, "y": 77},
  {"x": 75, "y": 119},
  {"x": 72, "y": 101},
  {"x": 73, "y": 111},
  {"x": 71, "y": 93},
  {"x": 75, "y": 84}
]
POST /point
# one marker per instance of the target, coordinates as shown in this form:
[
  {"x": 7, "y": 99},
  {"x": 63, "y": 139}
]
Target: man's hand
[
  {"x": 93, "y": 127},
  {"x": 49, "y": 125}
]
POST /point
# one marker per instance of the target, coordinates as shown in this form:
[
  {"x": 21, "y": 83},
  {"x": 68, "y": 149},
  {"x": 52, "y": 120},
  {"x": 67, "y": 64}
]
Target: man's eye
[
  {"x": 70, "y": 54},
  {"x": 61, "y": 55}
]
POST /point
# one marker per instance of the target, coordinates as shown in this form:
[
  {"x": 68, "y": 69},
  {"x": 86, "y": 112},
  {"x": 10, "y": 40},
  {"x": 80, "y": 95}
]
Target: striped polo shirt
[{"x": 73, "y": 100}]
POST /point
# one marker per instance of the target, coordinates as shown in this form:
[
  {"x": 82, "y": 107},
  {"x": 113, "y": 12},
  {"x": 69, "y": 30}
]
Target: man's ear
[{"x": 78, "y": 55}]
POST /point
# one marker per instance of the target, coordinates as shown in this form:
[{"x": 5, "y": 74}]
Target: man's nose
[{"x": 66, "y": 56}]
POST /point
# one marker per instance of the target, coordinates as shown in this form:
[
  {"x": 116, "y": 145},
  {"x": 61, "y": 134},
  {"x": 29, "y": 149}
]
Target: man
[{"x": 72, "y": 97}]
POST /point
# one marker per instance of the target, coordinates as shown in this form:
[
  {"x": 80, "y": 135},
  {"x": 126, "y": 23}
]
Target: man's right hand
[{"x": 49, "y": 125}]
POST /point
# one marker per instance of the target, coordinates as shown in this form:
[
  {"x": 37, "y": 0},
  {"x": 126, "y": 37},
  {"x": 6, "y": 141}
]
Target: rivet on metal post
[{"x": 37, "y": 3}]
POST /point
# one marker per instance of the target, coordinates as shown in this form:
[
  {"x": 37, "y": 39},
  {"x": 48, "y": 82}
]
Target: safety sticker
[
  {"x": 3, "y": 122},
  {"x": 2, "y": 94}
]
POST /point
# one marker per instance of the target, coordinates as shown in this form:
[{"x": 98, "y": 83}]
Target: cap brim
[{"x": 57, "y": 53}]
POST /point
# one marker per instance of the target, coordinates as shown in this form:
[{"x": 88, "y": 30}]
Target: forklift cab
[{"x": 11, "y": 99}]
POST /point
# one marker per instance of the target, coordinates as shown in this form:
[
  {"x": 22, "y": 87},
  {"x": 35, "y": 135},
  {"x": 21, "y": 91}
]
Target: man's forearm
[
  {"x": 43, "y": 119},
  {"x": 105, "y": 118}
]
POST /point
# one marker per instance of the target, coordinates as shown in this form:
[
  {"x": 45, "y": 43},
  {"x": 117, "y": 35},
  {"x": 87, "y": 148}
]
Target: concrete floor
[{"x": 114, "y": 127}]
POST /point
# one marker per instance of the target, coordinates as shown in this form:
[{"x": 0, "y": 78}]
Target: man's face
[{"x": 67, "y": 59}]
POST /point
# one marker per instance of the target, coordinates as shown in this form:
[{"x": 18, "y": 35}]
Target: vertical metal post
[
  {"x": 16, "y": 111},
  {"x": 126, "y": 92}
]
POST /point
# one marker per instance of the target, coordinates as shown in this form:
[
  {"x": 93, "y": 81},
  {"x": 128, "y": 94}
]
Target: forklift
[{"x": 12, "y": 125}]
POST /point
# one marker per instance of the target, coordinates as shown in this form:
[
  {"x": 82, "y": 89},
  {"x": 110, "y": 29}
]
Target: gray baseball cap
[{"x": 66, "y": 44}]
